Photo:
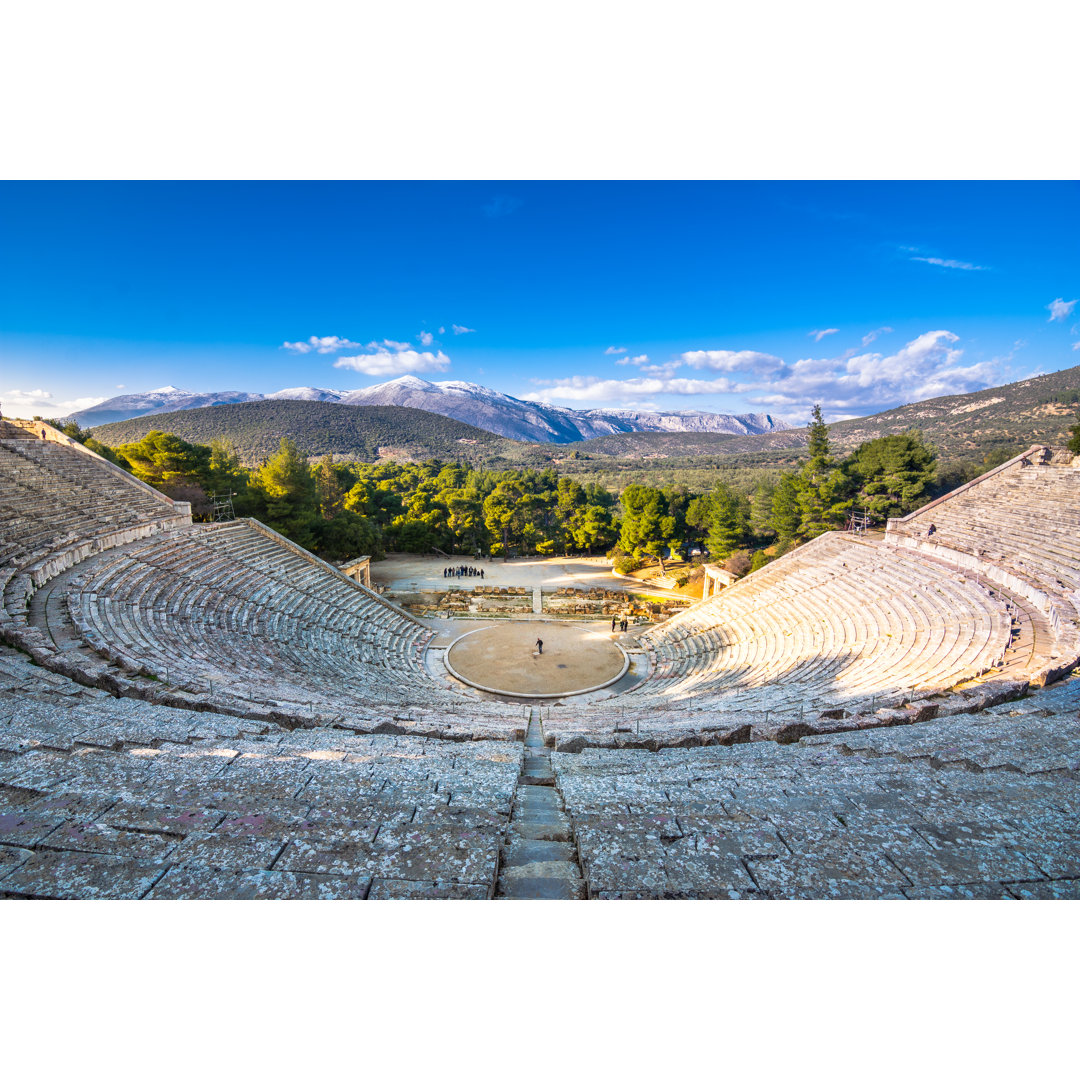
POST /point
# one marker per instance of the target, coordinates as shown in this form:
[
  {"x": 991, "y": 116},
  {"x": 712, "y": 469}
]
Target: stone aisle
[
  {"x": 538, "y": 601},
  {"x": 539, "y": 857}
]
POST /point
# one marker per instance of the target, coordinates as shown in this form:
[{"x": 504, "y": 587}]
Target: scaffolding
[
  {"x": 858, "y": 522},
  {"x": 223, "y": 506}
]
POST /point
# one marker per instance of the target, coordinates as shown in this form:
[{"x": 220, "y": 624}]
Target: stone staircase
[{"x": 539, "y": 857}]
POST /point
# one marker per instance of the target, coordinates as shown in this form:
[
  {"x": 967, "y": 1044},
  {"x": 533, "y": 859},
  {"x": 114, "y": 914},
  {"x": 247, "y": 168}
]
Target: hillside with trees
[
  {"x": 318, "y": 428},
  {"x": 339, "y": 509}
]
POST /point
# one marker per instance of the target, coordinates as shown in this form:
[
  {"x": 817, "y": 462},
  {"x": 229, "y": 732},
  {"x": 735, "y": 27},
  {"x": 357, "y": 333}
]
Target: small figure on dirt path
[{"x": 539, "y": 647}]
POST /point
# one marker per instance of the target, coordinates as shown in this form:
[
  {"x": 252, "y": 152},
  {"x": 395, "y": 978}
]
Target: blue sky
[{"x": 732, "y": 297}]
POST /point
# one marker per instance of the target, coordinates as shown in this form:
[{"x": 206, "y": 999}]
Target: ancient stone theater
[{"x": 209, "y": 711}]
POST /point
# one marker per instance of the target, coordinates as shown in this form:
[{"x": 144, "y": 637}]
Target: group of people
[
  {"x": 463, "y": 571},
  {"x": 622, "y": 624}
]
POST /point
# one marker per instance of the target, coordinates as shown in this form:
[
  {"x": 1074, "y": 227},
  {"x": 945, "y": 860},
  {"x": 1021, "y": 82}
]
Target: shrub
[
  {"x": 759, "y": 560},
  {"x": 626, "y": 564},
  {"x": 738, "y": 564}
]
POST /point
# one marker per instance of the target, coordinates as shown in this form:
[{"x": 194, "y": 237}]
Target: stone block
[
  {"x": 200, "y": 883},
  {"x": 403, "y": 889},
  {"x": 70, "y": 875}
]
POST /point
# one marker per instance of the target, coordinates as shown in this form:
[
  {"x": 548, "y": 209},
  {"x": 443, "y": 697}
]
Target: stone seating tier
[
  {"x": 835, "y": 623},
  {"x": 101, "y": 797},
  {"x": 226, "y": 615},
  {"x": 1018, "y": 526},
  {"x": 970, "y": 806},
  {"x": 116, "y": 798}
]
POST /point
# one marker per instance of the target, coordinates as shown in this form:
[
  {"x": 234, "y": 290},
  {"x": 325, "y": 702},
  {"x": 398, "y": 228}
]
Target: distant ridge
[
  {"x": 490, "y": 410},
  {"x": 164, "y": 399},
  {"x": 359, "y": 432},
  {"x": 1041, "y": 409},
  {"x": 537, "y": 421}
]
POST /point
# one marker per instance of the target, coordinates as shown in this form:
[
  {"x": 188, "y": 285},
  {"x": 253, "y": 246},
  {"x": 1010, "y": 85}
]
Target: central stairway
[{"x": 539, "y": 857}]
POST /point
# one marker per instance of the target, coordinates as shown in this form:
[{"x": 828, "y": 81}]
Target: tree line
[{"x": 342, "y": 509}]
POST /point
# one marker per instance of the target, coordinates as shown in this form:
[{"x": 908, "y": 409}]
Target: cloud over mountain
[
  {"x": 393, "y": 358},
  {"x": 927, "y": 366}
]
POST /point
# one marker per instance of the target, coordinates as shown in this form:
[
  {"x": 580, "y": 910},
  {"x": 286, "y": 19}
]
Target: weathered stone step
[
  {"x": 540, "y": 888},
  {"x": 558, "y": 828},
  {"x": 521, "y": 853},
  {"x": 538, "y": 781},
  {"x": 538, "y": 797},
  {"x": 538, "y": 860}
]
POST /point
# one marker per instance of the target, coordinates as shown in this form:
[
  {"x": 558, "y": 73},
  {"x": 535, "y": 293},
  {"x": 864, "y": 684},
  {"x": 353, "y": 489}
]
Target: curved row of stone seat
[
  {"x": 1019, "y": 526},
  {"x": 838, "y": 621},
  {"x": 231, "y": 616},
  {"x": 52, "y": 496},
  {"x": 970, "y": 806},
  {"x": 58, "y": 504},
  {"x": 107, "y": 798}
]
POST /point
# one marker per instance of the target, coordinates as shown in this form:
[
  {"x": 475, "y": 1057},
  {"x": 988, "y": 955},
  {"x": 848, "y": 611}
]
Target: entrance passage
[{"x": 503, "y": 659}]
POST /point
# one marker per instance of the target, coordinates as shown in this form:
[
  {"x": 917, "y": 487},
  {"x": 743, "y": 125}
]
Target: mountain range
[
  {"x": 962, "y": 427},
  {"x": 489, "y": 410}
]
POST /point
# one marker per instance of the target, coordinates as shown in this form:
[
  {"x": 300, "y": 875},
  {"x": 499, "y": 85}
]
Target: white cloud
[
  {"x": 875, "y": 334},
  {"x": 321, "y": 345},
  {"x": 426, "y": 338},
  {"x": 593, "y": 388},
  {"x": 462, "y": 329},
  {"x": 612, "y": 350},
  {"x": 817, "y": 335},
  {"x": 27, "y": 403},
  {"x": 1060, "y": 309},
  {"x": 442, "y": 329},
  {"x": 1076, "y": 347},
  {"x": 725, "y": 360},
  {"x": 948, "y": 264},
  {"x": 930, "y": 365},
  {"x": 926, "y": 367},
  {"x": 665, "y": 370},
  {"x": 121, "y": 386},
  {"x": 393, "y": 358}
]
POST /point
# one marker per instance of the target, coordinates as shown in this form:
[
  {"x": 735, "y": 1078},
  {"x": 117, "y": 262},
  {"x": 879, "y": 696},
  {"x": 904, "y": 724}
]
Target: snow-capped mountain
[
  {"x": 530, "y": 421},
  {"x": 164, "y": 399},
  {"x": 537, "y": 421},
  {"x": 309, "y": 393}
]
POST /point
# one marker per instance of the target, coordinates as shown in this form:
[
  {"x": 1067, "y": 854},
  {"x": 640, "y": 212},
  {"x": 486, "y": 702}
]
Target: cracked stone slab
[
  {"x": 956, "y": 865},
  {"x": 979, "y": 891},
  {"x": 228, "y": 851},
  {"x": 69, "y": 875},
  {"x": 155, "y": 818},
  {"x": 829, "y": 873},
  {"x": 95, "y": 837},
  {"x": 403, "y": 889},
  {"x": 678, "y": 894},
  {"x": 1045, "y": 890},
  {"x": 201, "y": 883},
  {"x": 10, "y": 858}
]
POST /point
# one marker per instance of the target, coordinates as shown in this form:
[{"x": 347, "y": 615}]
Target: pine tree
[
  {"x": 823, "y": 486},
  {"x": 785, "y": 515},
  {"x": 331, "y": 496},
  {"x": 892, "y": 473},
  {"x": 728, "y": 516}
]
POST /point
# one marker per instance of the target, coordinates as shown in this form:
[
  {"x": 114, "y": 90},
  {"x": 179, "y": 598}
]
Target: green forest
[{"x": 342, "y": 509}]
